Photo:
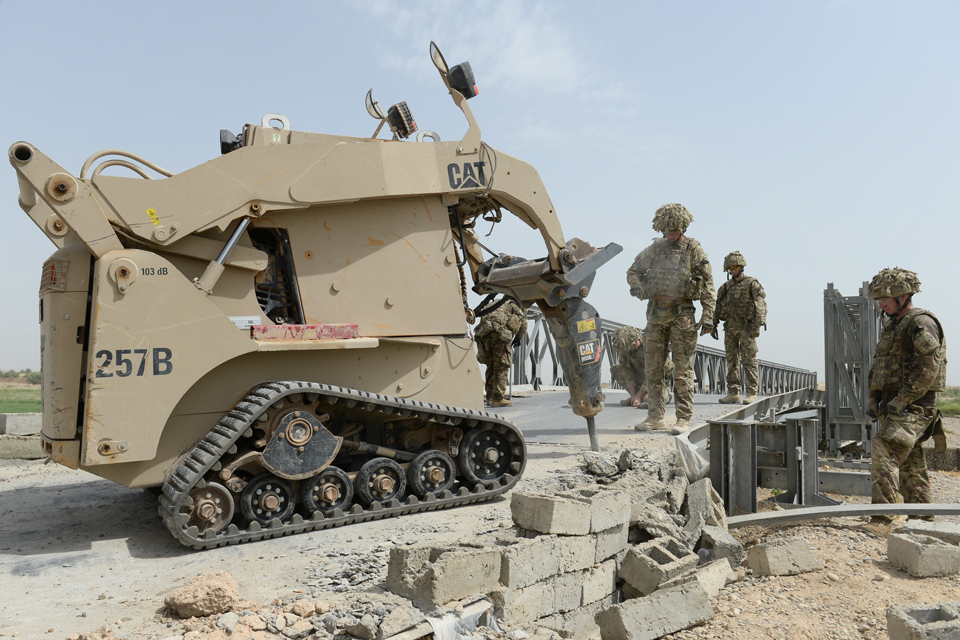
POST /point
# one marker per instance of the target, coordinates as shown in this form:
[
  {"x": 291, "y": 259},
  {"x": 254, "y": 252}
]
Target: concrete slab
[
  {"x": 20, "y": 424},
  {"x": 949, "y": 532},
  {"x": 21, "y": 448}
]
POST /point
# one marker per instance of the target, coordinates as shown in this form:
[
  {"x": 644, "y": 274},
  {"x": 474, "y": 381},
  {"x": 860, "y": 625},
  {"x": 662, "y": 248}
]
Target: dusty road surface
[{"x": 78, "y": 553}]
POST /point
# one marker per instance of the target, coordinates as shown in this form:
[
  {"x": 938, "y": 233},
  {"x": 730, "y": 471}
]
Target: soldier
[
  {"x": 742, "y": 305},
  {"x": 909, "y": 368},
  {"x": 672, "y": 273},
  {"x": 630, "y": 371},
  {"x": 497, "y": 332}
]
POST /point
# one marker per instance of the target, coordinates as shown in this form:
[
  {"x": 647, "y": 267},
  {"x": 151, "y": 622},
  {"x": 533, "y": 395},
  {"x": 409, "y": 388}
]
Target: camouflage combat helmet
[
  {"x": 672, "y": 217},
  {"x": 625, "y": 338},
  {"x": 891, "y": 283},
  {"x": 733, "y": 260}
]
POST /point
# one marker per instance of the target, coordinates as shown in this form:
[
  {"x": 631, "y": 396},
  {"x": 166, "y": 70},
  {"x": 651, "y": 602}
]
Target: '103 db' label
[{"x": 130, "y": 362}]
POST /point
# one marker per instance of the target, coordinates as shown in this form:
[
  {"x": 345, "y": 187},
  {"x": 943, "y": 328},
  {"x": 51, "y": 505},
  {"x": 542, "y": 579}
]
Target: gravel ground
[{"x": 79, "y": 554}]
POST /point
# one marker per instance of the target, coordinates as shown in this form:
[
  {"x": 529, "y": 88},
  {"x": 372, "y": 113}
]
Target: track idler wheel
[
  {"x": 380, "y": 480},
  {"x": 212, "y": 508},
  {"x": 327, "y": 492},
  {"x": 266, "y": 498},
  {"x": 433, "y": 472},
  {"x": 487, "y": 454}
]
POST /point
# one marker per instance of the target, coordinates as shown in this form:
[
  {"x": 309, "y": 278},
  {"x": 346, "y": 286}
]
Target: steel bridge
[{"x": 535, "y": 363}]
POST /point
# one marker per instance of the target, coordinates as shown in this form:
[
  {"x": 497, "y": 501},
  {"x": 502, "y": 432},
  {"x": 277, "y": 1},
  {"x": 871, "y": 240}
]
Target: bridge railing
[{"x": 535, "y": 363}]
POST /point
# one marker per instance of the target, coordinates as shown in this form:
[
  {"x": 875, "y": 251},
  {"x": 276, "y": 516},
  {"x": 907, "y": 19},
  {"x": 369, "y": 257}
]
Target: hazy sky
[{"x": 820, "y": 139}]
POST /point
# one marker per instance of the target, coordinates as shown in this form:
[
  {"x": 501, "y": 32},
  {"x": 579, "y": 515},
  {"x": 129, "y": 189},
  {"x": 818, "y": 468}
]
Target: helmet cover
[
  {"x": 734, "y": 259},
  {"x": 672, "y": 217},
  {"x": 625, "y": 338},
  {"x": 891, "y": 283}
]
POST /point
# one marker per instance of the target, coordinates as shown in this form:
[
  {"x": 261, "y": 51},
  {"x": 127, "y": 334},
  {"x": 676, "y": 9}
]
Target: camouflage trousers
[
  {"x": 670, "y": 328},
  {"x": 497, "y": 359},
  {"x": 628, "y": 378},
  {"x": 739, "y": 345},
  {"x": 898, "y": 472}
]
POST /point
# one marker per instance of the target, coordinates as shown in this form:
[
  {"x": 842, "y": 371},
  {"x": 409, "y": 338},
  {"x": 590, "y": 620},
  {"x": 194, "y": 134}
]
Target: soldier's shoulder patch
[{"x": 926, "y": 338}]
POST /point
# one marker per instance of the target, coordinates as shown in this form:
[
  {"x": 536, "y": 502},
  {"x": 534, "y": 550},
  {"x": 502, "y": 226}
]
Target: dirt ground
[{"x": 78, "y": 553}]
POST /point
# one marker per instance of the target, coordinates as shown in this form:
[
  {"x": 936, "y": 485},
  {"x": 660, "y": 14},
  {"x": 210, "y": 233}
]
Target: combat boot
[
  {"x": 650, "y": 424},
  {"x": 730, "y": 398},
  {"x": 750, "y": 398},
  {"x": 627, "y": 401},
  {"x": 501, "y": 402},
  {"x": 879, "y": 527},
  {"x": 682, "y": 426}
]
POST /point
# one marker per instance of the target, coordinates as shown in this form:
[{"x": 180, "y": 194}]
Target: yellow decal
[
  {"x": 154, "y": 218},
  {"x": 586, "y": 325}
]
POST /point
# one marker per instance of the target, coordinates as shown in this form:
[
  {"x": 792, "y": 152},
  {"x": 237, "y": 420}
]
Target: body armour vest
[
  {"x": 504, "y": 321},
  {"x": 738, "y": 301},
  {"x": 669, "y": 272},
  {"x": 896, "y": 354}
]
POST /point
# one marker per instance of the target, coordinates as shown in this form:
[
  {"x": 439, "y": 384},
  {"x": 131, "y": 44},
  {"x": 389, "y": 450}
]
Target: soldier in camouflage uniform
[
  {"x": 742, "y": 306},
  {"x": 909, "y": 368},
  {"x": 497, "y": 332},
  {"x": 672, "y": 273},
  {"x": 630, "y": 371}
]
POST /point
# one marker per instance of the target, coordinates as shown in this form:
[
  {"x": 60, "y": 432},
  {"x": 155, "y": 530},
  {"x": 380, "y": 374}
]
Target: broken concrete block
[
  {"x": 579, "y": 624},
  {"x": 601, "y": 464},
  {"x": 599, "y": 582},
  {"x": 721, "y": 545},
  {"x": 656, "y": 615},
  {"x": 649, "y": 564},
  {"x": 923, "y": 621},
  {"x": 559, "y": 594},
  {"x": 702, "y": 498},
  {"x": 676, "y": 492},
  {"x": 437, "y": 575},
  {"x": 550, "y": 514},
  {"x": 528, "y": 560},
  {"x": 608, "y": 508},
  {"x": 923, "y": 556},
  {"x": 949, "y": 532},
  {"x": 20, "y": 424},
  {"x": 577, "y": 552},
  {"x": 610, "y": 542},
  {"x": 712, "y": 576},
  {"x": 783, "y": 557}
]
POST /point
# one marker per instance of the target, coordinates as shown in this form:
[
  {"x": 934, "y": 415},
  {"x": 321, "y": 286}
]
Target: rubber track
[{"x": 190, "y": 469}]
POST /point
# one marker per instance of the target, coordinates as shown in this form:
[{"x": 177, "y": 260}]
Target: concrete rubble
[{"x": 593, "y": 560}]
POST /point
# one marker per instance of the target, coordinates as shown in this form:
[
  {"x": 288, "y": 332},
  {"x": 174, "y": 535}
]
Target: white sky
[{"x": 820, "y": 139}]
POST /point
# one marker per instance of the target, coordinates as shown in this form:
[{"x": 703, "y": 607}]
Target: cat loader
[{"x": 278, "y": 340}]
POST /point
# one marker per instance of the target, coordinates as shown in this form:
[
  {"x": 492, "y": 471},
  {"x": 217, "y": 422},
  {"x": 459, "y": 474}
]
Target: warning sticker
[
  {"x": 589, "y": 351},
  {"x": 586, "y": 325}
]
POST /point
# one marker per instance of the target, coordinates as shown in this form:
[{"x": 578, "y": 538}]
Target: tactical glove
[
  {"x": 873, "y": 409},
  {"x": 715, "y": 334},
  {"x": 706, "y": 328},
  {"x": 755, "y": 333},
  {"x": 897, "y": 407},
  {"x": 636, "y": 292}
]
